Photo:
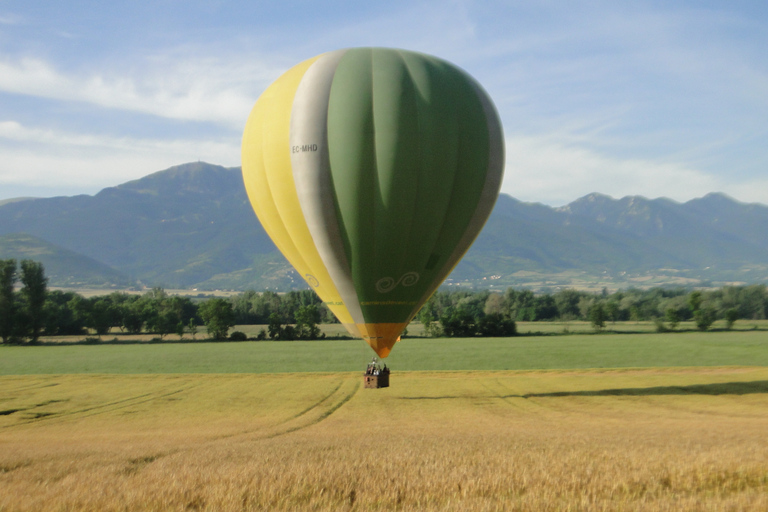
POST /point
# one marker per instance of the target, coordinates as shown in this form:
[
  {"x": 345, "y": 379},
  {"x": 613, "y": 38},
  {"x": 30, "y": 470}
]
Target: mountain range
[{"x": 191, "y": 226}]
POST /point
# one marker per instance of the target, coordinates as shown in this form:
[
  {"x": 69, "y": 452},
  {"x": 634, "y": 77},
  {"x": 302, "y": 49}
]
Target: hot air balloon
[{"x": 373, "y": 170}]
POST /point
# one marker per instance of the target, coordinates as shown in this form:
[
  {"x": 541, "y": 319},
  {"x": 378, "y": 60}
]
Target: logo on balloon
[
  {"x": 312, "y": 280},
  {"x": 387, "y": 284}
]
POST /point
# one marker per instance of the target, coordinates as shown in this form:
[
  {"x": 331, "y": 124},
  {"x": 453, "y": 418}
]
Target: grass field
[
  {"x": 632, "y": 422},
  {"x": 519, "y": 353},
  {"x": 651, "y": 440}
]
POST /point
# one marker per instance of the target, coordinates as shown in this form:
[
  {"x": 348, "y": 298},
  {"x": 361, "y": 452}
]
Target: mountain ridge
[
  {"x": 62, "y": 266},
  {"x": 191, "y": 226}
]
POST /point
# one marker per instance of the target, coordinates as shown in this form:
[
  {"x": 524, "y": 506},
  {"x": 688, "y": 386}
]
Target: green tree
[
  {"x": 162, "y": 313},
  {"x": 7, "y": 302},
  {"x": 495, "y": 304},
  {"x": 34, "y": 293},
  {"x": 612, "y": 310},
  {"x": 525, "y": 306},
  {"x": 179, "y": 310},
  {"x": 673, "y": 318},
  {"x": 218, "y": 317},
  {"x": 126, "y": 314},
  {"x": 458, "y": 323},
  {"x": 242, "y": 305},
  {"x": 180, "y": 328},
  {"x": 544, "y": 308},
  {"x": 59, "y": 316},
  {"x": 754, "y": 302},
  {"x": 731, "y": 315},
  {"x": 704, "y": 318},
  {"x": 473, "y": 303},
  {"x": 428, "y": 317},
  {"x": 101, "y": 315},
  {"x": 265, "y": 305},
  {"x": 694, "y": 301},
  {"x": 131, "y": 315},
  {"x": 567, "y": 302},
  {"x": 275, "y": 326},
  {"x": 496, "y": 325},
  {"x": 597, "y": 316},
  {"x": 586, "y": 303},
  {"x": 78, "y": 307},
  {"x": 192, "y": 328},
  {"x": 679, "y": 304},
  {"x": 307, "y": 318}
]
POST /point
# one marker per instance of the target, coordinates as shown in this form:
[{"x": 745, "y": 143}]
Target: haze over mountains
[{"x": 191, "y": 226}]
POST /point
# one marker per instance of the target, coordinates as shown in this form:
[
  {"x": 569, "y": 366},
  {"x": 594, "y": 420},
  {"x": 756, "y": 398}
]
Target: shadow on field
[
  {"x": 154, "y": 341},
  {"x": 725, "y": 388}
]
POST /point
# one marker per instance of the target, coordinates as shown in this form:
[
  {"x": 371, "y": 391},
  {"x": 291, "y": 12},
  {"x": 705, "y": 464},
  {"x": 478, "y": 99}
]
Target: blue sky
[{"x": 651, "y": 98}]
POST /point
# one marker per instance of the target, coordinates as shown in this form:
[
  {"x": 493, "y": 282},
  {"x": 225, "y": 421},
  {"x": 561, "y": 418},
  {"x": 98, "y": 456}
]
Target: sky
[{"x": 650, "y": 98}]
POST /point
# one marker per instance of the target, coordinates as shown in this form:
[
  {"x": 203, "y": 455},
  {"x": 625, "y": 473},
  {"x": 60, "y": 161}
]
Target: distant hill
[
  {"x": 14, "y": 200},
  {"x": 191, "y": 226},
  {"x": 598, "y": 241},
  {"x": 176, "y": 228},
  {"x": 62, "y": 267}
]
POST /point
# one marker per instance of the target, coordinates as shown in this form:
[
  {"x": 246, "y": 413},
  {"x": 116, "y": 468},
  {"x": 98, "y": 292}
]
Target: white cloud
[
  {"x": 671, "y": 88},
  {"x": 555, "y": 172},
  {"x": 34, "y": 157},
  {"x": 201, "y": 89}
]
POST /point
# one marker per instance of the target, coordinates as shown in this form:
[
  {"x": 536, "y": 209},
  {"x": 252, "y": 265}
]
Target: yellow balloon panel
[{"x": 269, "y": 182}]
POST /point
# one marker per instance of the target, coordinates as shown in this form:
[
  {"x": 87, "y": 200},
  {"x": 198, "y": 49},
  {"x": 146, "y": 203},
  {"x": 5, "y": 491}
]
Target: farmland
[
  {"x": 645, "y": 349},
  {"x": 672, "y": 422}
]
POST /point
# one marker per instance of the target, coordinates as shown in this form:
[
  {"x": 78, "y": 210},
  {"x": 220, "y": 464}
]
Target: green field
[{"x": 520, "y": 353}]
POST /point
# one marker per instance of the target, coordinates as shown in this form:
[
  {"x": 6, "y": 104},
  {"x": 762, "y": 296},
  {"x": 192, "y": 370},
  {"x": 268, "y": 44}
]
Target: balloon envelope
[{"x": 373, "y": 170}]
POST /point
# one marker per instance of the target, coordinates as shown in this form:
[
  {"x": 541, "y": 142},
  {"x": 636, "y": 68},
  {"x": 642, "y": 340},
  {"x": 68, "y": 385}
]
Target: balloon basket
[
  {"x": 376, "y": 376},
  {"x": 377, "y": 381}
]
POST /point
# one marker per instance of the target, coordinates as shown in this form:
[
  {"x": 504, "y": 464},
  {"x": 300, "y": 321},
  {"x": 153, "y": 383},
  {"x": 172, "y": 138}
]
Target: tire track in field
[
  {"x": 22, "y": 387},
  {"x": 315, "y": 413},
  {"x": 283, "y": 422},
  {"x": 55, "y": 417},
  {"x": 315, "y": 405},
  {"x": 312, "y": 415},
  {"x": 343, "y": 393}
]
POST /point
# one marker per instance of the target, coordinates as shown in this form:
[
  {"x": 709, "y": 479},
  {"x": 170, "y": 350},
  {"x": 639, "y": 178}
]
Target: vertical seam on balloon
[
  {"x": 454, "y": 173},
  {"x": 377, "y": 184},
  {"x": 340, "y": 272},
  {"x": 419, "y": 181},
  {"x": 374, "y": 173},
  {"x": 491, "y": 175},
  {"x": 296, "y": 185},
  {"x": 277, "y": 229},
  {"x": 350, "y": 294},
  {"x": 431, "y": 289},
  {"x": 262, "y": 152},
  {"x": 417, "y": 195},
  {"x": 290, "y": 238}
]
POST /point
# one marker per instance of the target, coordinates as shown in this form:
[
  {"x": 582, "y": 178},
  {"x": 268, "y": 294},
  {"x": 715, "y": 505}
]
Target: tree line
[
  {"x": 33, "y": 310},
  {"x": 469, "y": 313}
]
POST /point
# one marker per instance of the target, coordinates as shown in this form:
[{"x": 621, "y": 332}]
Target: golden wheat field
[{"x": 651, "y": 440}]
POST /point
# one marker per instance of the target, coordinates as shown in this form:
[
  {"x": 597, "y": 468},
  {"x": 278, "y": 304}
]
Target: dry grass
[{"x": 651, "y": 440}]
